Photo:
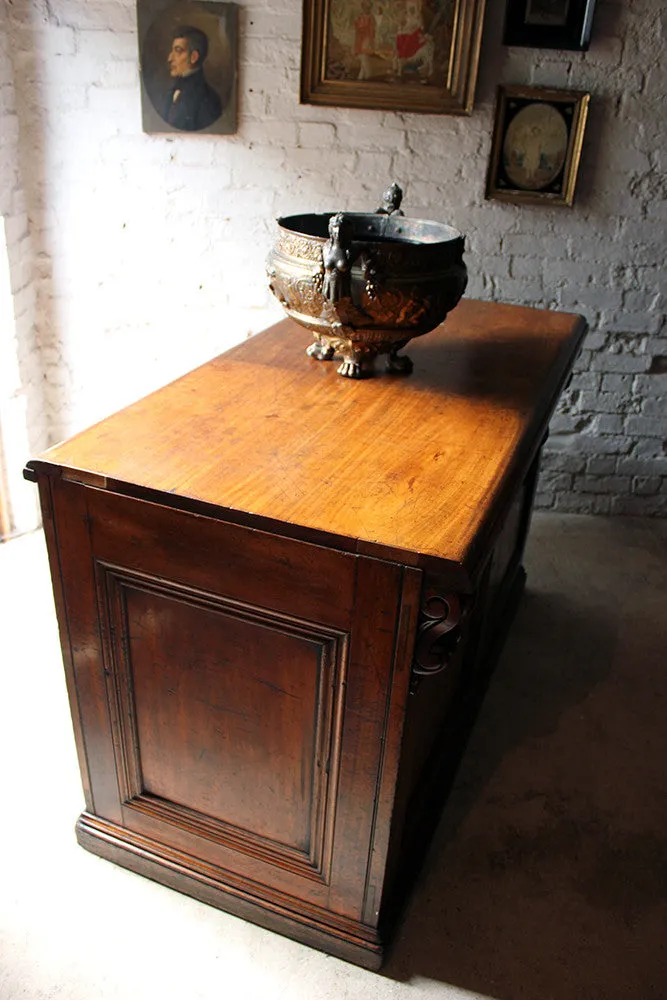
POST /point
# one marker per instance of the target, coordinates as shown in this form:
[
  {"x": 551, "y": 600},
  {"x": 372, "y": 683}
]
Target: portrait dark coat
[{"x": 192, "y": 104}]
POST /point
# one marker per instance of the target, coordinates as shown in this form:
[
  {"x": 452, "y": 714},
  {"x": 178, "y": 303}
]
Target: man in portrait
[{"x": 191, "y": 104}]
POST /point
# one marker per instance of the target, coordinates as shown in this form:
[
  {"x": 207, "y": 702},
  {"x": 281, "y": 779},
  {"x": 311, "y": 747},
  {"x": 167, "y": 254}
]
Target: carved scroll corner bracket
[{"x": 438, "y": 634}]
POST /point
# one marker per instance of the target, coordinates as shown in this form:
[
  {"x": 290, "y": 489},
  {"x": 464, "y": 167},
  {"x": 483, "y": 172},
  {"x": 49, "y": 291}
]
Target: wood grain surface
[{"x": 411, "y": 468}]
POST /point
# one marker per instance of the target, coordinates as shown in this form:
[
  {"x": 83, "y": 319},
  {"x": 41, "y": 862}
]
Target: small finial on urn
[{"x": 391, "y": 201}]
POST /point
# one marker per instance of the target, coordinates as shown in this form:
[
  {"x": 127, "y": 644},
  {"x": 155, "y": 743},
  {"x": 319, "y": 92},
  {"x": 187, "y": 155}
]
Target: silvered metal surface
[{"x": 366, "y": 284}]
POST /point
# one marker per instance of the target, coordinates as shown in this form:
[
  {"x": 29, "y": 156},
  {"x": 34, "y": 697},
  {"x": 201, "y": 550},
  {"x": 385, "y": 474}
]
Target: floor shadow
[{"x": 547, "y": 877}]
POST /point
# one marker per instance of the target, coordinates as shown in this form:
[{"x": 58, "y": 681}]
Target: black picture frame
[
  {"x": 537, "y": 141},
  {"x": 549, "y": 24}
]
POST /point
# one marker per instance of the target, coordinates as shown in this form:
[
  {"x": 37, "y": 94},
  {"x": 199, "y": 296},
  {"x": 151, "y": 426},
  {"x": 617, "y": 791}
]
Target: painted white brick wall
[
  {"x": 149, "y": 250},
  {"x": 22, "y": 415}
]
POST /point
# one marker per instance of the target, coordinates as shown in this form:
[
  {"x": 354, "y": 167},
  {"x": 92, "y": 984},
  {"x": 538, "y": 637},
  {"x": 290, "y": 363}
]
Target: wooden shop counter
[{"x": 280, "y": 593}]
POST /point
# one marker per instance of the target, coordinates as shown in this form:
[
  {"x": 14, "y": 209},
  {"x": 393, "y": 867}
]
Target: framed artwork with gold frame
[
  {"x": 395, "y": 55},
  {"x": 537, "y": 143}
]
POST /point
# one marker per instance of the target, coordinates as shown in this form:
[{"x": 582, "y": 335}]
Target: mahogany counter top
[{"x": 413, "y": 468}]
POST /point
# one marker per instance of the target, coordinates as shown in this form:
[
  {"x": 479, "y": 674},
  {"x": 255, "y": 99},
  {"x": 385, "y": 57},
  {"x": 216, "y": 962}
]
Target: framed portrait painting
[
  {"x": 549, "y": 24},
  {"x": 537, "y": 143},
  {"x": 396, "y": 55},
  {"x": 187, "y": 59}
]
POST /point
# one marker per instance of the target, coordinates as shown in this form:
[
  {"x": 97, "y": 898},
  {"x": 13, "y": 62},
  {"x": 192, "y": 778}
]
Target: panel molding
[{"x": 113, "y": 583}]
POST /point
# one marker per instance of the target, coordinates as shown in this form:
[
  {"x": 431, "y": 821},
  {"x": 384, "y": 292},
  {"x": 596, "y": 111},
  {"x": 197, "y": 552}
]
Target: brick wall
[
  {"x": 22, "y": 415},
  {"x": 150, "y": 250}
]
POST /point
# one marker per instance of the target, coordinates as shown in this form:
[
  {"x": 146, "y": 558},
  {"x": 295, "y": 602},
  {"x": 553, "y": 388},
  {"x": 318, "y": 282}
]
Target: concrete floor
[{"x": 548, "y": 875}]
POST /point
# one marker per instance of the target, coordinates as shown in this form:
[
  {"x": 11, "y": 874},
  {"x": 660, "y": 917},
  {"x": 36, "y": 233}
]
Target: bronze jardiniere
[{"x": 366, "y": 284}]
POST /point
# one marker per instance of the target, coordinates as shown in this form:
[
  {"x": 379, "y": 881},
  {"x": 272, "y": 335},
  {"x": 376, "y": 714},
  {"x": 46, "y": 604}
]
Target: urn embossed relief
[{"x": 366, "y": 284}]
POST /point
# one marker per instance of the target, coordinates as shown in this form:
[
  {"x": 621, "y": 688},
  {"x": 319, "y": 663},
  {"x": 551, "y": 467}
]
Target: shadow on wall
[
  {"x": 495, "y": 54},
  {"x": 548, "y": 875},
  {"x": 512, "y": 64}
]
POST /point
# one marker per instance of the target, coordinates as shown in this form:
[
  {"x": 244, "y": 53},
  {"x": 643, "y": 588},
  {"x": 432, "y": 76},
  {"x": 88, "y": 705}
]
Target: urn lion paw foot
[
  {"x": 319, "y": 351},
  {"x": 350, "y": 368},
  {"x": 399, "y": 365}
]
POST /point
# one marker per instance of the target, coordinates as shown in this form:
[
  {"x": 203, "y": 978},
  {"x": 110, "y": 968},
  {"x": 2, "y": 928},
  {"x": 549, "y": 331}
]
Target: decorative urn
[{"x": 366, "y": 284}]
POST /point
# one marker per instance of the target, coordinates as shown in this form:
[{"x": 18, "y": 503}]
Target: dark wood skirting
[{"x": 346, "y": 939}]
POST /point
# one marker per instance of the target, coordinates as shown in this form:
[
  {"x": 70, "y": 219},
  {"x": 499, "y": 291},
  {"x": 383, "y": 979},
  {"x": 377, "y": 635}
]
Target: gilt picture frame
[
  {"x": 537, "y": 141},
  {"x": 393, "y": 55},
  {"x": 549, "y": 24}
]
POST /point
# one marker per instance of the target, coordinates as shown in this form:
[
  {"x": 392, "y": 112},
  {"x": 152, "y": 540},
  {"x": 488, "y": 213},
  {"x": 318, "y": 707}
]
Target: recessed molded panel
[{"x": 227, "y": 717}]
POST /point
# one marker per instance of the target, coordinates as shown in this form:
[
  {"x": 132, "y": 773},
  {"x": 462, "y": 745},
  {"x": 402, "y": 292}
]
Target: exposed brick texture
[
  {"x": 22, "y": 415},
  {"x": 142, "y": 255}
]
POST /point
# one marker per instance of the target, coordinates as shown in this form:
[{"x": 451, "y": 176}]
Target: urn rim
[{"x": 369, "y": 227}]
